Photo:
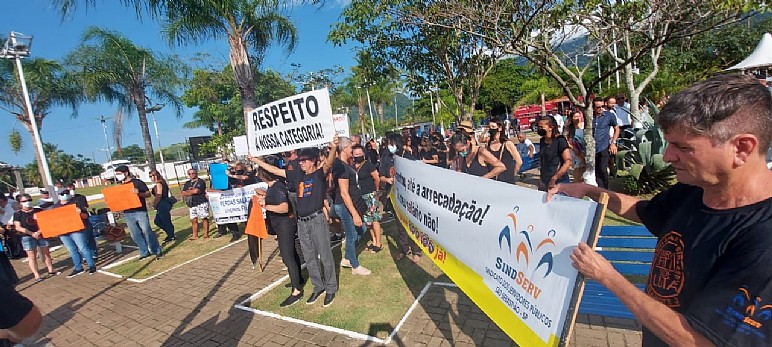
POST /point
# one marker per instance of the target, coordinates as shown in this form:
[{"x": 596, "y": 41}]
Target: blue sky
[{"x": 54, "y": 38}]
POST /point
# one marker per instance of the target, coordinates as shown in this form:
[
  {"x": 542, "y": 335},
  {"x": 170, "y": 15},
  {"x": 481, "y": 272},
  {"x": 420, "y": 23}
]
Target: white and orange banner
[{"x": 501, "y": 244}]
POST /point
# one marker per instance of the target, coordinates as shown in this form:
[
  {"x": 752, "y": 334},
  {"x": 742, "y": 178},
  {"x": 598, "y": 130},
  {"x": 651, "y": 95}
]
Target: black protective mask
[
  {"x": 239, "y": 172},
  {"x": 492, "y": 132},
  {"x": 541, "y": 132},
  {"x": 359, "y": 159}
]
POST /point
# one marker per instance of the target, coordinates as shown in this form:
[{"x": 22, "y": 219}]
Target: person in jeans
[
  {"x": 162, "y": 206},
  {"x": 602, "y": 122},
  {"x": 344, "y": 196},
  {"x": 137, "y": 219},
  {"x": 313, "y": 230},
  {"x": 194, "y": 194},
  {"x": 77, "y": 243},
  {"x": 32, "y": 239},
  {"x": 83, "y": 201}
]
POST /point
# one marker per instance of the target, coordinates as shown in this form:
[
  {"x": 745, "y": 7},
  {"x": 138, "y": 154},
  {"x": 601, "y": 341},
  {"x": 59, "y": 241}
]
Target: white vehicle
[{"x": 109, "y": 169}]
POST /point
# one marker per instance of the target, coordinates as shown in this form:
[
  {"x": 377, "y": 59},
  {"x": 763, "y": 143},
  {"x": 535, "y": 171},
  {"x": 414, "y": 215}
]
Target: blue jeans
[
  {"x": 352, "y": 236},
  {"x": 163, "y": 218},
  {"x": 141, "y": 233},
  {"x": 77, "y": 244}
]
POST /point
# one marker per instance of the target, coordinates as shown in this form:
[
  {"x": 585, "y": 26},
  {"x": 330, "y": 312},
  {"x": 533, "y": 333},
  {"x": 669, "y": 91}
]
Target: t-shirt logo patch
[
  {"x": 666, "y": 278},
  {"x": 747, "y": 313},
  {"x": 304, "y": 188}
]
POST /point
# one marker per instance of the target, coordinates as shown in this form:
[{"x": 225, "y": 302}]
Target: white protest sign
[
  {"x": 303, "y": 120},
  {"x": 240, "y": 145},
  {"x": 230, "y": 206},
  {"x": 341, "y": 125},
  {"x": 501, "y": 244}
]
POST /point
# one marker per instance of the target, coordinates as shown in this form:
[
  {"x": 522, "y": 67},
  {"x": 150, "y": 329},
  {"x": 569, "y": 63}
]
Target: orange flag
[{"x": 255, "y": 222}]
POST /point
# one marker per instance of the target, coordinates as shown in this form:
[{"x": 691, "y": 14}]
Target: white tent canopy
[{"x": 761, "y": 56}]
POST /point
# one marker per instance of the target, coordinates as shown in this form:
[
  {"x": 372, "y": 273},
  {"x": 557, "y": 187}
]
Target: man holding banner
[{"x": 711, "y": 277}]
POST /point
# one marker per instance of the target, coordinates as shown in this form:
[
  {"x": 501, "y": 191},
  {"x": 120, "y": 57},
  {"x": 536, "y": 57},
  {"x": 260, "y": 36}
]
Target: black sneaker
[
  {"x": 159, "y": 256},
  {"x": 92, "y": 270},
  {"x": 312, "y": 299},
  {"x": 141, "y": 258},
  {"x": 291, "y": 300},
  {"x": 74, "y": 273},
  {"x": 218, "y": 235},
  {"x": 328, "y": 299},
  {"x": 235, "y": 238}
]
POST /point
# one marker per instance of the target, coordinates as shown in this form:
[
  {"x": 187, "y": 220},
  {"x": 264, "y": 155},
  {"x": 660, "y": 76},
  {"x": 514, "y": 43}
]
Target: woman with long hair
[
  {"x": 554, "y": 154},
  {"x": 162, "y": 206},
  {"x": 504, "y": 149},
  {"x": 578, "y": 147},
  {"x": 472, "y": 159}
]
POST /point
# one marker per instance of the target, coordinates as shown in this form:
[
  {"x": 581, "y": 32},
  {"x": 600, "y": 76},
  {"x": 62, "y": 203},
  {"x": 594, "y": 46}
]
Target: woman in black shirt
[
  {"x": 554, "y": 155},
  {"x": 162, "y": 205},
  {"x": 282, "y": 221},
  {"x": 473, "y": 159}
]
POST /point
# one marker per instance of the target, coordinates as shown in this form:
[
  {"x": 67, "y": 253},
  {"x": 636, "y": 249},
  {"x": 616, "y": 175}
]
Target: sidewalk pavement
[{"x": 193, "y": 305}]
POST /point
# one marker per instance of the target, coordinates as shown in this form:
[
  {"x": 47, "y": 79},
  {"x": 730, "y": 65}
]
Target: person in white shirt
[{"x": 528, "y": 144}]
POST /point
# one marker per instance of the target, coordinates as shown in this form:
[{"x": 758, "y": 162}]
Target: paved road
[{"x": 193, "y": 306}]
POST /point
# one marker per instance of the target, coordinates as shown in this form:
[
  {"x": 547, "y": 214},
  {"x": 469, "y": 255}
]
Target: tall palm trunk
[
  {"x": 139, "y": 102},
  {"x": 38, "y": 158},
  {"x": 239, "y": 58}
]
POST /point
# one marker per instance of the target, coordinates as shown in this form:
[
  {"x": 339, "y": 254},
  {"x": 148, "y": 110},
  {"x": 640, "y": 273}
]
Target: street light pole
[
  {"x": 370, "y": 109},
  {"x": 16, "y": 47},
  {"x": 107, "y": 143},
  {"x": 155, "y": 126}
]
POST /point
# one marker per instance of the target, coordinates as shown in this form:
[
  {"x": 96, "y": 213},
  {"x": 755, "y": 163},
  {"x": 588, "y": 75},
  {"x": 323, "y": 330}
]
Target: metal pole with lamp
[
  {"x": 107, "y": 143},
  {"x": 152, "y": 110},
  {"x": 17, "y": 47}
]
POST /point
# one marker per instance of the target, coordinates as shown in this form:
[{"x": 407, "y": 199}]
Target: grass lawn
[
  {"x": 175, "y": 253},
  {"x": 363, "y": 304}
]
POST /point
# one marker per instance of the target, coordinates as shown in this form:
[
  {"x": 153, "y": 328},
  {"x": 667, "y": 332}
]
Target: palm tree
[
  {"x": 250, "y": 26},
  {"x": 49, "y": 85},
  {"x": 112, "y": 68}
]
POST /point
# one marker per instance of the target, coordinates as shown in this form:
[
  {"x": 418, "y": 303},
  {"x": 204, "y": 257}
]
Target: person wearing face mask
[
  {"x": 368, "y": 181},
  {"x": 32, "y": 239},
  {"x": 472, "y": 159},
  {"x": 82, "y": 201},
  {"x": 137, "y": 219},
  {"x": 503, "y": 149},
  {"x": 77, "y": 243},
  {"x": 554, "y": 155},
  {"x": 408, "y": 249},
  {"x": 8, "y": 207}
]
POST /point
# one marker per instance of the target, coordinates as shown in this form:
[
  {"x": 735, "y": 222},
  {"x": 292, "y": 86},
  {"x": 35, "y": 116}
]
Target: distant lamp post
[
  {"x": 152, "y": 110},
  {"x": 103, "y": 120},
  {"x": 16, "y": 47}
]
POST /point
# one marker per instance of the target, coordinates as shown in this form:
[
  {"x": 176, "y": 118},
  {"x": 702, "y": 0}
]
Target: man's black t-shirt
[
  {"x": 312, "y": 190},
  {"x": 293, "y": 173},
  {"x": 200, "y": 197},
  {"x": 142, "y": 188},
  {"x": 550, "y": 158},
  {"x": 712, "y": 266},
  {"x": 27, "y": 219},
  {"x": 13, "y": 308},
  {"x": 364, "y": 178},
  {"x": 277, "y": 194}
]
